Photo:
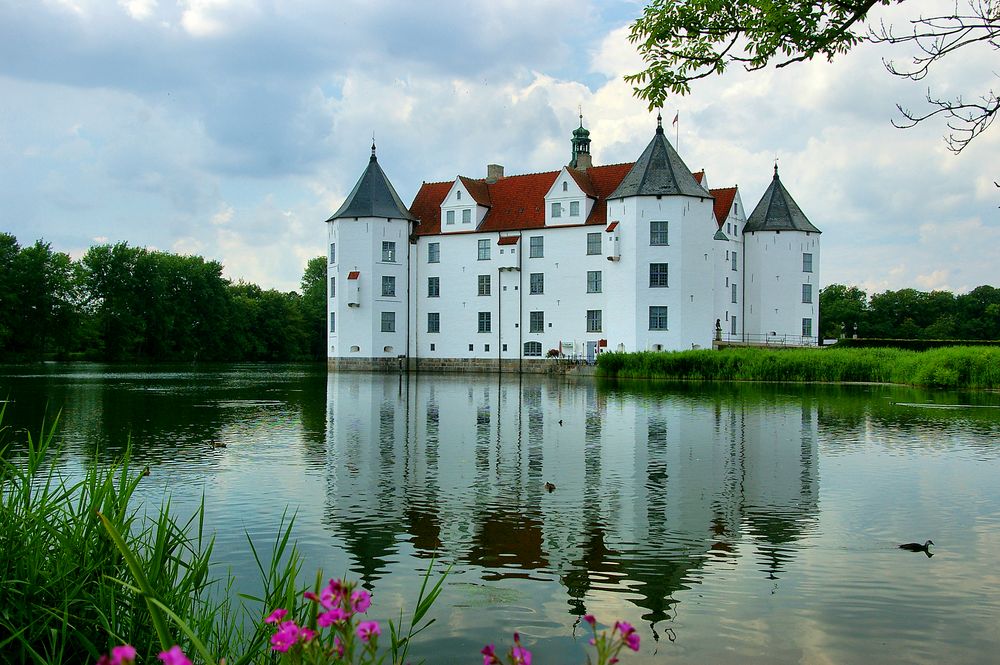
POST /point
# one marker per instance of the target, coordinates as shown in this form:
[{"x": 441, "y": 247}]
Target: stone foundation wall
[{"x": 480, "y": 365}]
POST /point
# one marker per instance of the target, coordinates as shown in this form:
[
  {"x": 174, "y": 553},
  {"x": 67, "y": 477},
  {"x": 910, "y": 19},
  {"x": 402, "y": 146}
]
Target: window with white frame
[
  {"x": 433, "y": 322},
  {"x": 658, "y": 233},
  {"x": 333, "y": 252},
  {"x": 433, "y": 252},
  {"x": 333, "y": 322},
  {"x": 733, "y": 288},
  {"x": 536, "y": 322},
  {"x": 807, "y": 327},
  {"x": 433, "y": 287},
  {"x": 485, "y": 322},
  {"x": 484, "y": 249},
  {"x": 659, "y": 275},
  {"x": 658, "y": 317},
  {"x": 807, "y": 293},
  {"x": 593, "y": 281},
  {"x": 333, "y": 287},
  {"x": 388, "y": 251},
  {"x": 466, "y": 215},
  {"x": 388, "y": 286},
  {"x": 732, "y": 258},
  {"x": 593, "y": 320},
  {"x": 565, "y": 186},
  {"x": 557, "y": 209},
  {"x": 484, "y": 285},
  {"x": 593, "y": 243},
  {"x": 449, "y": 217},
  {"x": 533, "y": 348},
  {"x": 807, "y": 262},
  {"x": 574, "y": 208},
  {"x": 536, "y": 283},
  {"x": 732, "y": 325},
  {"x": 536, "y": 247},
  {"x": 388, "y": 322}
]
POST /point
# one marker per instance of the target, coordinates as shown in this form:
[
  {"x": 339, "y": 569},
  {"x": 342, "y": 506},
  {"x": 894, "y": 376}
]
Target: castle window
[
  {"x": 659, "y": 275},
  {"x": 536, "y": 322},
  {"x": 533, "y": 348},
  {"x": 593, "y": 281},
  {"x": 556, "y": 210},
  {"x": 658, "y": 317},
  {"x": 484, "y": 285},
  {"x": 658, "y": 233},
  {"x": 333, "y": 287},
  {"x": 388, "y": 286},
  {"x": 388, "y": 322},
  {"x": 389, "y": 252},
  {"x": 467, "y": 215},
  {"x": 536, "y": 283},
  {"x": 434, "y": 252},
  {"x": 593, "y": 243},
  {"x": 565, "y": 186},
  {"x": 449, "y": 217},
  {"x": 574, "y": 208},
  {"x": 807, "y": 293},
  {"x": 333, "y": 252},
  {"x": 333, "y": 322},
  {"x": 485, "y": 322},
  {"x": 433, "y": 287},
  {"x": 593, "y": 320},
  {"x": 433, "y": 322},
  {"x": 733, "y": 259},
  {"x": 536, "y": 247},
  {"x": 807, "y": 262},
  {"x": 458, "y": 195},
  {"x": 807, "y": 327},
  {"x": 734, "y": 292},
  {"x": 484, "y": 250}
]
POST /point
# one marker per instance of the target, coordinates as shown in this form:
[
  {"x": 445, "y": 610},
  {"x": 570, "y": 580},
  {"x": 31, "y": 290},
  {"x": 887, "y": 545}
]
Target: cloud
[{"x": 140, "y": 10}]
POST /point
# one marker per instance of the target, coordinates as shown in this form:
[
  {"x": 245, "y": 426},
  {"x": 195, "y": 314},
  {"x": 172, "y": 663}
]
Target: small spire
[
  {"x": 579, "y": 109},
  {"x": 659, "y": 123},
  {"x": 775, "y": 167},
  {"x": 373, "y": 158}
]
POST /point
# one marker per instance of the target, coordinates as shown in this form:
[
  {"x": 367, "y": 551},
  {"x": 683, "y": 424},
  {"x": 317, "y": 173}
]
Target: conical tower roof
[
  {"x": 778, "y": 211},
  {"x": 373, "y": 196},
  {"x": 659, "y": 171}
]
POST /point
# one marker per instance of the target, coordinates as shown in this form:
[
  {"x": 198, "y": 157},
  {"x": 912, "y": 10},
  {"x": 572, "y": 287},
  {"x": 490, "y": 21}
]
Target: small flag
[{"x": 676, "y": 116}]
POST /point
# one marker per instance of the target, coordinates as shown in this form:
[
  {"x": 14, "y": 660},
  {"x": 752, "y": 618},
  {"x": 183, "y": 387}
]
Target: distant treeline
[
  {"x": 909, "y": 314},
  {"x": 129, "y": 303}
]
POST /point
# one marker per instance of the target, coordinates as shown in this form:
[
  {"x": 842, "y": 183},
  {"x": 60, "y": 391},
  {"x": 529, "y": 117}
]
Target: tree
[
  {"x": 841, "y": 309},
  {"x": 685, "y": 40},
  {"x": 314, "y": 305}
]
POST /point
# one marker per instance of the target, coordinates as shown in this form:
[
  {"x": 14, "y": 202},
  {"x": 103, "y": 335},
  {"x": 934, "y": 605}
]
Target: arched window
[
  {"x": 355, "y": 349},
  {"x": 565, "y": 186},
  {"x": 533, "y": 349}
]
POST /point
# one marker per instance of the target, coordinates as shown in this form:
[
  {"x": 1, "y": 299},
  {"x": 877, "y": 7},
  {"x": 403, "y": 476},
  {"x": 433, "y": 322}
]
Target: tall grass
[
  {"x": 64, "y": 590},
  {"x": 951, "y": 367}
]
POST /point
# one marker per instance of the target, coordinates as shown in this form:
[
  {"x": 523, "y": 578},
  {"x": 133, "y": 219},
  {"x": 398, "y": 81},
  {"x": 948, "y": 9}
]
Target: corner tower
[
  {"x": 368, "y": 287},
  {"x": 782, "y": 270}
]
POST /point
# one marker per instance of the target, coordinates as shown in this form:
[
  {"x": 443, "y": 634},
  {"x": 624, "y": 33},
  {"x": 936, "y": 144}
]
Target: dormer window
[
  {"x": 574, "y": 208},
  {"x": 565, "y": 186},
  {"x": 458, "y": 195},
  {"x": 450, "y": 217},
  {"x": 466, "y": 215},
  {"x": 556, "y": 210}
]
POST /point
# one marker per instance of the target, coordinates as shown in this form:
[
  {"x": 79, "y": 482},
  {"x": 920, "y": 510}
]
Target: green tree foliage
[
  {"x": 314, "y": 305},
  {"x": 910, "y": 314},
  {"x": 682, "y": 41}
]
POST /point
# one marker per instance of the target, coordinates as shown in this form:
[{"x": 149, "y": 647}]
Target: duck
[
  {"x": 217, "y": 444},
  {"x": 917, "y": 547},
  {"x": 146, "y": 471},
  {"x": 549, "y": 487}
]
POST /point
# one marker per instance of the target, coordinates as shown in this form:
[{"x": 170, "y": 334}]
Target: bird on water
[
  {"x": 549, "y": 487},
  {"x": 917, "y": 547}
]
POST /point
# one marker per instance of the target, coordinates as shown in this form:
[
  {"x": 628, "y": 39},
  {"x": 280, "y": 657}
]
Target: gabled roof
[
  {"x": 724, "y": 197},
  {"x": 373, "y": 196},
  {"x": 777, "y": 211},
  {"x": 477, "y": 190},
  {"x": 517, "y": 202},
  {"x": 659, "y": 171}
]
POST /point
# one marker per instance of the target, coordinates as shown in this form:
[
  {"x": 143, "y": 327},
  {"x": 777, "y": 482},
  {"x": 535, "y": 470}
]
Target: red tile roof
[
  {"x": 699, "y": 176},
  {"x": 354, "y": 274},
  {"x": 508, "y": 240},
  {"x": 517, "y": 202},
  {"x": 611, "y": 227},
  {"x": 724, "y": 197}
]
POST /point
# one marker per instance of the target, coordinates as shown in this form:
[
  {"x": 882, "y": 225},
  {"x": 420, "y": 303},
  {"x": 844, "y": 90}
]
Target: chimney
[{"x": 494, "y": 172}]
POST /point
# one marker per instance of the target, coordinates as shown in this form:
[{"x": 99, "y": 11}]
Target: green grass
[
  {"x": 950, "y": 367},
  {"x": 68, "y": 592}
]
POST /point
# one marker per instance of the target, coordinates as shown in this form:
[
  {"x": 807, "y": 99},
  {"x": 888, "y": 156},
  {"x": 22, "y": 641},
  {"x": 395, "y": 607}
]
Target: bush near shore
[{"x": 951, "y": 367}]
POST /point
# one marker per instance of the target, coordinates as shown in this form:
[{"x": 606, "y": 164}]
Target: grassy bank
[{"x": 952, "y": 367}]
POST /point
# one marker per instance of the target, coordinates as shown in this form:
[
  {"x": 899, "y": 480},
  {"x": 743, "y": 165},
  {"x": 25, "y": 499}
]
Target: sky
[{"x": 232, "y": 129}]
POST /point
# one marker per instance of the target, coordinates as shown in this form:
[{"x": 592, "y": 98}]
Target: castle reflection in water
[{"x": 648, "y": 490}]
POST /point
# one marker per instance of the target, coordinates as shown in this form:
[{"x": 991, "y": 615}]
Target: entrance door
[{"x": 591, "y": 352}]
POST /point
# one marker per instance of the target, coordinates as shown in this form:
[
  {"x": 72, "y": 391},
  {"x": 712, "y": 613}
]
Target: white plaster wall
[
  {"x": 725, "y": 276},
  {"x": 457, "y": 200},
  {"x": 572, "y": 193},
  {"x": 774, "y": 279}
]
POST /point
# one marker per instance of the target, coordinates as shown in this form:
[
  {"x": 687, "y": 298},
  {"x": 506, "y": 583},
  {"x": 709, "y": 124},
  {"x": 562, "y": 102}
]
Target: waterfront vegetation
[{"x": 950, "y": 367}]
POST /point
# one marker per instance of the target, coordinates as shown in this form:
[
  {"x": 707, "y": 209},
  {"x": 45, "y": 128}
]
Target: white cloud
[
  {"x": 140, "y": 10},
  {"x": 211, "y": 18}
]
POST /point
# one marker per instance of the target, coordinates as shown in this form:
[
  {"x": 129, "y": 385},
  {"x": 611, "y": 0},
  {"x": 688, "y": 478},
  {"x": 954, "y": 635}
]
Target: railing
[{"x": 770, "y": 339}]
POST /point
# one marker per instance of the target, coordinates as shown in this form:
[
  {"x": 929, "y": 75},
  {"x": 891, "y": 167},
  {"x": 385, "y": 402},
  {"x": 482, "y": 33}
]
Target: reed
[{"x": 948, "y": 367}]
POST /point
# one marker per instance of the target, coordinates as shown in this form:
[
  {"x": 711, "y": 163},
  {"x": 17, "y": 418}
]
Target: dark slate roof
[
  {"x": 659, "y": 171},
  {"x": 778, "y": 211},
  {"x": 373, "y": 196},
  {"x": 720, "y": 235}
]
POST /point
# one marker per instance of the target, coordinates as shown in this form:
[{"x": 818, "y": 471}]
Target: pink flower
[
  {"x": 520, "y": 655},
  {"x": 332, "y": 594},
  {"x": 123, "y": 655},
  {"x": 174, "y": 657},
  {"x": 286, "y": 636},
  {"x": 309, "y": 595},
  {"x": 338, "y": 647},
  {"x": 306, "y": 634},
  {"x": 336, "y": 615},
  {"x": 276, "y": 616},
  {"x": 632, "y": 640},
  {"x": 368, "y": 629},
  {"x": 625, "y": 627},
  {"x": 361, "y": 600},
  {"x": 589, "y": 618},
  {"x": 489, "y": 655}
]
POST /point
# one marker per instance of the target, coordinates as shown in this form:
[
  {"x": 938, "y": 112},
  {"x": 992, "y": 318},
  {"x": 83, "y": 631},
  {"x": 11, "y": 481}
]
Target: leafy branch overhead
[{"x": 684, "y": 41}]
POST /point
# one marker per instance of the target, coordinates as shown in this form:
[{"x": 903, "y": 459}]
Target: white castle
[{"x": 503, "y": 272}]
